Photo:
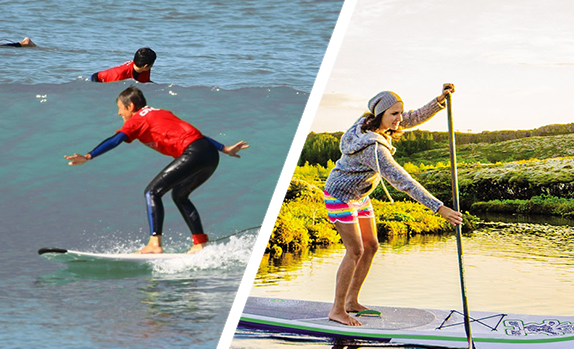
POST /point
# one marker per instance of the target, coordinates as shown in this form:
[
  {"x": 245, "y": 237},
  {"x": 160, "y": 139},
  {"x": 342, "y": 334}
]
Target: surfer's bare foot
[
  {"x": 196, "y": 248},
  {"x": 27, "y": 42},
  {"x": 153, "y": 246},
  {"x": 343, "y": 318},
  {"x": 150, "y": 249}
]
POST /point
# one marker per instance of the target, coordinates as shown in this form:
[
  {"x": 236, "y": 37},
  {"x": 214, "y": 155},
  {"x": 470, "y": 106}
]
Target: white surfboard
[
  {"x": 428, "y": 327},
  {"x": 70, "y": 256}
]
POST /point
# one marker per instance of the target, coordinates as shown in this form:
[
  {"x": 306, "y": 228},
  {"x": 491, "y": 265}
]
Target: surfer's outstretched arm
[
  {"x": 103, "y": 147},
  {"x": 234, "y": 149},
  {"x": 76, "y": 159},
  {"x": 229, "y": 150}
]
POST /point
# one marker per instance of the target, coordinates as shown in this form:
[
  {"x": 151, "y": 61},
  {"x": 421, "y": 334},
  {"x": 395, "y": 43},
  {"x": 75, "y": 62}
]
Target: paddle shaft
[{"x": 456, "y": 204}]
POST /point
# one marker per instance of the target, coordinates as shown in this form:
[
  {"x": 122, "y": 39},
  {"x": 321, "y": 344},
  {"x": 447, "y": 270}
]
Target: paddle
[{"x": 456, "y": 204}]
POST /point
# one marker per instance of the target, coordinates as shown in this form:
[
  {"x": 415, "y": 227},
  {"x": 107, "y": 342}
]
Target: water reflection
[
  {"x": 75, "y": 272},
  {"x": 522, "y": 218},
  {"x": 511, "y": 267},
  {"x": 544, "y": 243}
]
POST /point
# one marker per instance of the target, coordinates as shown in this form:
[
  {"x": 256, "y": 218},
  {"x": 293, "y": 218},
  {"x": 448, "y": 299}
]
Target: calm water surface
[{"x": 510, "y": 267}]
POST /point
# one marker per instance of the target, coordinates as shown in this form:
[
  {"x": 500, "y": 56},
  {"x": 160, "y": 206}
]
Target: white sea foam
[{"x": 231, "y": 254}]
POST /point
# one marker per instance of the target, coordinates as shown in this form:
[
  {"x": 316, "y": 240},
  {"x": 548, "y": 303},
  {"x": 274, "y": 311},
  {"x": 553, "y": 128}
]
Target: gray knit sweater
[{"x": 368, "y": 155}]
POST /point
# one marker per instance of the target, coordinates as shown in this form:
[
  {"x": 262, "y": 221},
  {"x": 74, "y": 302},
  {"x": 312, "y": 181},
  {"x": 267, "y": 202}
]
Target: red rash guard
[
  {"x": 123, "y": 72},
  {"x": 160, "y": 130}
]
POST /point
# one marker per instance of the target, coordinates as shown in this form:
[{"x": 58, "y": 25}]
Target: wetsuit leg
[
  {"x": 12, "y": 44},
  {"x": 182, "y": 176}
]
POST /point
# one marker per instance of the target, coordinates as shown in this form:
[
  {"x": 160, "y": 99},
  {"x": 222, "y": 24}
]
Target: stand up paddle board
[
  {"x": 69, "y": 256},
  {"x": 426, "y": 327}
]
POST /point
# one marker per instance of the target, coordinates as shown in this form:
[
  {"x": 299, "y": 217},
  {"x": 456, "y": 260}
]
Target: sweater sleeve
[
  {"x": 380, "y": 160},
  {"x": 414, "y": 118}
]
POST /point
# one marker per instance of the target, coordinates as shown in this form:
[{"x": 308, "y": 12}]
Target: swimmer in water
[
  {"x": 138, "y": 69},
  {"x": 26, "y": 42}
]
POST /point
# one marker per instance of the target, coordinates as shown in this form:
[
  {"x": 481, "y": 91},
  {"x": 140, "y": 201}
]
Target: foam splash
[
  {"x": 116, "y": 242},
  {"x": 230, "y": 254}
]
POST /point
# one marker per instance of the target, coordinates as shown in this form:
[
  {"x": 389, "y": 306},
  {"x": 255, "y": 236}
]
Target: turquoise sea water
[{"x": 238, "y": 71}]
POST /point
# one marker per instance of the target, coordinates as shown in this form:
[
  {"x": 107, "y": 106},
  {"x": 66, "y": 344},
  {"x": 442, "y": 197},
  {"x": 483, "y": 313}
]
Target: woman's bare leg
[
  {"x": 351, "y": 236},
  {"x": 370, "y": 242}
]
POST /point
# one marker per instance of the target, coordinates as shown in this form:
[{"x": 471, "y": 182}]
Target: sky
[{"x": 512, "y": 62}]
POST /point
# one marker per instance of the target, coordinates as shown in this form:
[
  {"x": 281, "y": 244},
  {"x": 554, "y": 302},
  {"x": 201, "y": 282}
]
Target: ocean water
[
  {"x": 229, "y": 44},
  {"x": 236, "y": 70}
]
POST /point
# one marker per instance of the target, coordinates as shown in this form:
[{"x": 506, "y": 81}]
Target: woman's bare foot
[
  {"x": 196, "y": 248},
  {"x": 343, "y": 318}
]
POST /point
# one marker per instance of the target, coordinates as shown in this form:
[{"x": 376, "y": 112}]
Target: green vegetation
[
  {"x": 529, "y": 172},
  {"x": 477, "y": 182},
  {"x": 506, "y": 151},
  {"x": 431, "y": 147},
  {"x": 320, "y": 148},
  {"x": 500, "y": 181},
  {"x": 302, "y": 222},
  {"x": 546, "y": 205}
]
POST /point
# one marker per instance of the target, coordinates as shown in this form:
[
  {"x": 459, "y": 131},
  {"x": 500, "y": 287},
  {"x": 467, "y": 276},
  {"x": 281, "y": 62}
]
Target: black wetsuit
[
  {"x": 12, "y": 44},
  {"x": 182, "y": 176}
]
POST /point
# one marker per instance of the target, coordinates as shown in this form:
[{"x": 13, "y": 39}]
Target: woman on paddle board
[
  {"x": 196, "y": 158},
  {"x": 367, "y": 155}
]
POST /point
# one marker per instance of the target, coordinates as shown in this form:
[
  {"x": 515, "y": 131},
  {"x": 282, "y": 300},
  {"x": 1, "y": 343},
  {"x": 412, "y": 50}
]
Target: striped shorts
[{"x": 348, "y": 212}]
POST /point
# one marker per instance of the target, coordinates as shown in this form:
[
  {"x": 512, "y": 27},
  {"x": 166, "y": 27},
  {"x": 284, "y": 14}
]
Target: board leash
[
  {"x": 236, "y": 233},
  {"x": 456, "y": 204}
]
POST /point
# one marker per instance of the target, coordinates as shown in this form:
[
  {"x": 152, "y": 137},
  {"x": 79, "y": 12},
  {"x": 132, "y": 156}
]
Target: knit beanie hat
[{"x": 383, "y": 101}]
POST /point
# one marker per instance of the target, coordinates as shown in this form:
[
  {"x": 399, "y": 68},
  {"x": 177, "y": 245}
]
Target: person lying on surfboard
[
  {"x": 368, "y": 156},
  {"x": 138, "y": 69},
  {"x": 26, "y": 42},
  {"x": 196, "y": 158}
]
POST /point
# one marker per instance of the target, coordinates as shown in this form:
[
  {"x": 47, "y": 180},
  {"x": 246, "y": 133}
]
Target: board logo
[
  {"x": 548, "y": 327},
  {"x": 279, "y": 302}
]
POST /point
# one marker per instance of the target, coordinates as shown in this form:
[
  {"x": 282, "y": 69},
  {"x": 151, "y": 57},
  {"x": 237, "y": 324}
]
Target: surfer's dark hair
[
  {"x": 143, "y": 56},
  {"x": 132, "y": 95}
]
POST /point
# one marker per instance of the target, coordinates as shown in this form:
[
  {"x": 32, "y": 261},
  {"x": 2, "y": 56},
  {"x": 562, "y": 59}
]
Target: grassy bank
[
  {"x": 302, "y": 222},
  {"x": 530, "y": 175},
  {"x": 508, "y": 151},
  {"x": 502, "y": 181},
  {"x": 545, "y": 205}
]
